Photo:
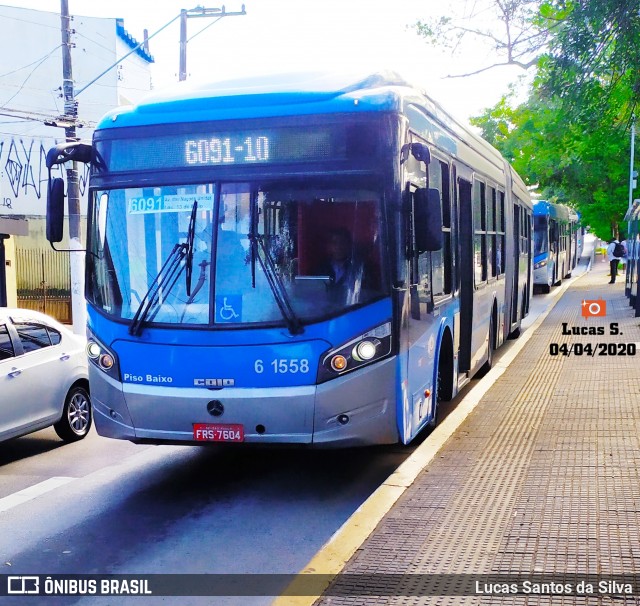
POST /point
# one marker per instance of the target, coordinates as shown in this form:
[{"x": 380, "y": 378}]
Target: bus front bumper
[{"x": 357, "y": 409}]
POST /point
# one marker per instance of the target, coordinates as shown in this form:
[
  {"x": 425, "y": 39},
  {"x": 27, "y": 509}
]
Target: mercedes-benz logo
[{"x": 215, "y": 408}]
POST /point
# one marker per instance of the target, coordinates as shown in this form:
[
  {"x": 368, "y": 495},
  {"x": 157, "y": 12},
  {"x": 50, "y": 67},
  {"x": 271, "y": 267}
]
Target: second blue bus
[{"x": 557, "y": 243}]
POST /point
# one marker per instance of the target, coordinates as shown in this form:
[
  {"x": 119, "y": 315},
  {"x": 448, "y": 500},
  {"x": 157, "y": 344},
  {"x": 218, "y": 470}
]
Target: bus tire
[
  {"x": 444, "y": 387},
  {"x": 486, "y": 367},
  {"x": 557, "y": 277}
]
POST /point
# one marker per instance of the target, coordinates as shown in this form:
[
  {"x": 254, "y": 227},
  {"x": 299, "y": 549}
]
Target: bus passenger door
[
  {"x": 515, "y": 291},
  {"x": 421, "y": 324},
  {"x": 466, "y": 274}
]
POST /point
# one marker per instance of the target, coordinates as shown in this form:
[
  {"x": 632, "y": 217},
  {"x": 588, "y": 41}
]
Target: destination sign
[{"x": 260, "y": 146}]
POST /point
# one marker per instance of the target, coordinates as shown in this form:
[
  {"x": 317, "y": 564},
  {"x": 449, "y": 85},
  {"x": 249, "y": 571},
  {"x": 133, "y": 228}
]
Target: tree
[
  {"x": 571, "y": 136},
  {"x": 593, "y": 59},
  {"x": 571, "y": 164},
  {"x": 511, "y": 29}
]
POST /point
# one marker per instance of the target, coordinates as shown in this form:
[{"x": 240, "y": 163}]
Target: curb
[{"x": 337, "y": 551}]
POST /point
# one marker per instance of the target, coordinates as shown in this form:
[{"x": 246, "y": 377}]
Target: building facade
[{"x": 31, "y": 99}]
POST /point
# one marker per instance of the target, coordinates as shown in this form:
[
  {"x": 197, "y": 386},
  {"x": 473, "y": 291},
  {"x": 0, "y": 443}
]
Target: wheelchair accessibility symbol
[{"x": 228, "y": 308}]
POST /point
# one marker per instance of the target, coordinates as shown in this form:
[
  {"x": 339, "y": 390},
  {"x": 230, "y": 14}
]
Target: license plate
[{"x": 218, "y": 432}]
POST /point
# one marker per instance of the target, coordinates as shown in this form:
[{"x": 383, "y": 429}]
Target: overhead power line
[
  {"x": 199, "y": 11},
  {"x": 34, "y": 116}
]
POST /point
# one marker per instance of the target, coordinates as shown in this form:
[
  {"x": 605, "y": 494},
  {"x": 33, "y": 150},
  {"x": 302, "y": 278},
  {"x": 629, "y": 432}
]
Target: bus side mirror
[
  {"x": 418, "y": 150},
  {"x": 55, "y": 210},
  {"x": 428, "y": 220}
]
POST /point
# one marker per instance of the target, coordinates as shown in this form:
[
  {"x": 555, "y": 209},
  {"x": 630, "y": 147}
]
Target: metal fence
[{"x": 44, "y": 282}]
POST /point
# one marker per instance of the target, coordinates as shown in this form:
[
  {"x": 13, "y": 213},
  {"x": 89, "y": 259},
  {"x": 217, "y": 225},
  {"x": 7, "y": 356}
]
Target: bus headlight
[
  {"x": 102, "y": 357},
  {"x": 93, "y": 350},
  {"x": 367, "y": 348},
  {"x": 539, "y": 264}
]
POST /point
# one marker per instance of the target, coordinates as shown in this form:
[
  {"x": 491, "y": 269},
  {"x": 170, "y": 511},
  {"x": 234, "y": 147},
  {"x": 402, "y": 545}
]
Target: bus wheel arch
[
  {"x": 524, "y": 310},
  {"x": 491, "y": 345},
  {"x": 444, "y": 372}
]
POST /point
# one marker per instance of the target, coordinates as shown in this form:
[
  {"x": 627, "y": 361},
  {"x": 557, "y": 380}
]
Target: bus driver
[{"x": 344, "y": 268}]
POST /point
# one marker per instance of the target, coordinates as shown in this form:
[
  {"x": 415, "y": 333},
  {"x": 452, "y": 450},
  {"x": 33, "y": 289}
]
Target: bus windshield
[
  {"x": 541, "y": 235},
  {"x": 316, "y": 247}
]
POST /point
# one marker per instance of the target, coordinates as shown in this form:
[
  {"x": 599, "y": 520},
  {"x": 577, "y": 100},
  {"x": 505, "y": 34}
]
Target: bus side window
[
  {"x": 553, "y": 235},
  {"x": 424, "y": 278},
  {"x": 480, "y": 232},
  {"x": 437, "y": 256},
  {"x": 500, "y": 229},
  {"x": 492, "y": 245}
]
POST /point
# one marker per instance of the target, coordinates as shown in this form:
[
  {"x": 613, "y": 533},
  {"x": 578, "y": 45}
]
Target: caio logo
[{"x": 593, "y": 307}]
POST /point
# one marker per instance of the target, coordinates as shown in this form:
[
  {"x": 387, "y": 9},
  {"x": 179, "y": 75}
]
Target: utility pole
[
  {"x": 77, "y": 260},
  {"x": 199, "y": 11},
  {"x": 632, "y": 174}
]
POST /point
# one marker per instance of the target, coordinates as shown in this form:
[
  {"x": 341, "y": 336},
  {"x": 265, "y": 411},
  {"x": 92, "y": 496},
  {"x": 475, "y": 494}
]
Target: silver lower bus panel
[{"x": 354, "y": 410}]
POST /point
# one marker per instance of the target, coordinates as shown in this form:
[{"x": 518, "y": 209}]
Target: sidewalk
[{"x": 543, "y": 477}]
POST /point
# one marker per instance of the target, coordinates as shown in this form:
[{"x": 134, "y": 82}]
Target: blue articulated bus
[
  {"x": 557, "y": 244},
  {"x": 304, "y": 259}
]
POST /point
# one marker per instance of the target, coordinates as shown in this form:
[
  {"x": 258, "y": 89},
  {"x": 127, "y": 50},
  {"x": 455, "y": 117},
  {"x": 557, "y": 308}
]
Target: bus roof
[
  {"x": 285, "y": 94},
  {"x": 556, "y": 211},
  {"x": 262, "y": 96},
  {"x": 297, "y": 94}
]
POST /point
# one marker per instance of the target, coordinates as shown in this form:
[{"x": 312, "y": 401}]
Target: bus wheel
[
  {"x": 486, "y": 367},
  {"x": 557, "y": 275},
  {"x": 444, "y": 388}
]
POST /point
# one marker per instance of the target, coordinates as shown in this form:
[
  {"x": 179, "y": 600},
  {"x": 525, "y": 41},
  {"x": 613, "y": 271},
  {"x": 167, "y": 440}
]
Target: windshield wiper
[
  {"x": 275, "y": 283},
  {"x": 166, "y": 278},
  {"x": 191, "y": 233}
]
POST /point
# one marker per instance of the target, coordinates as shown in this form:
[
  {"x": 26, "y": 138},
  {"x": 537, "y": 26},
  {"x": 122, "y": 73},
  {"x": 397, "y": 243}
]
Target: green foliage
[{"x": 571, "y": 137}]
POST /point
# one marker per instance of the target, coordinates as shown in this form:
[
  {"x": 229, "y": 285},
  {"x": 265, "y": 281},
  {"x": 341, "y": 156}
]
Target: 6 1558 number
[{"x": 283, "y": 366}]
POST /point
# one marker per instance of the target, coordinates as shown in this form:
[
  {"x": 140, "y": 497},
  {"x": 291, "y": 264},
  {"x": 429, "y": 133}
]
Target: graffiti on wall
[{"x": 24, "y": 176}]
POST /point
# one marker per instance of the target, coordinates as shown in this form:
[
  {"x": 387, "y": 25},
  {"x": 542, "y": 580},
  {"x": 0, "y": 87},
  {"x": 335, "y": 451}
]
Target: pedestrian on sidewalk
[
  {"x": 614, "y": 254},
  {"x": 625, "y": 257}
]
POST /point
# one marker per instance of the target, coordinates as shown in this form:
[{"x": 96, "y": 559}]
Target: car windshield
[{"x": 283, "y": 253}]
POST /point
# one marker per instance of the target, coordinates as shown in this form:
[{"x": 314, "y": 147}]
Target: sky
[{"x": 293, "y": 35}]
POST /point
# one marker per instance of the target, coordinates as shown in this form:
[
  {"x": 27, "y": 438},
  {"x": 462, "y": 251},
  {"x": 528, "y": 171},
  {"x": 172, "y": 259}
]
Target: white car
[{"x": 43, "y": 377}]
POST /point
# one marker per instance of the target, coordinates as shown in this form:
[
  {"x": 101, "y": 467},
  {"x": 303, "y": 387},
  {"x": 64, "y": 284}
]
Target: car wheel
[{"x": 76, "y": 415}]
